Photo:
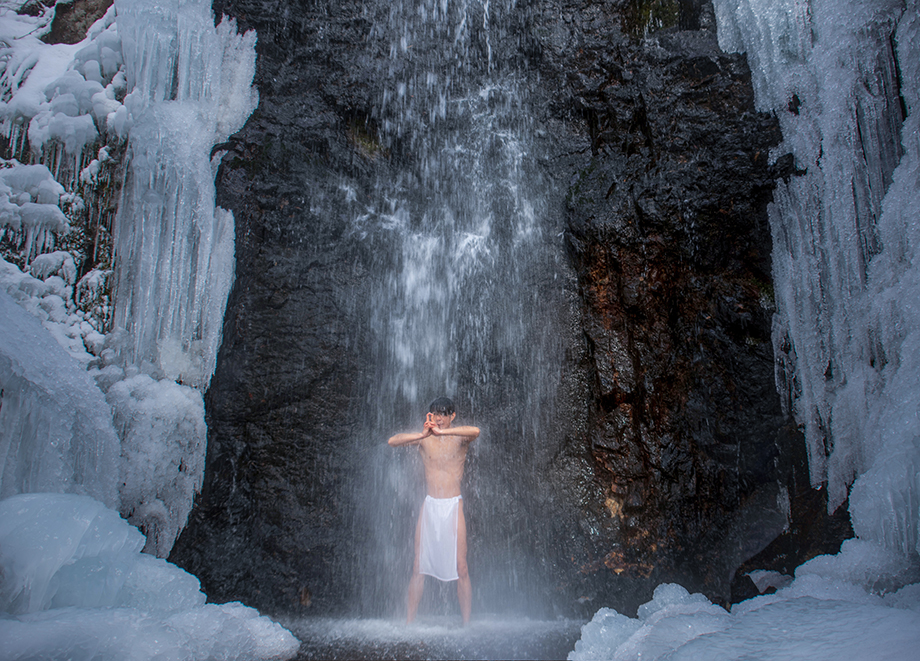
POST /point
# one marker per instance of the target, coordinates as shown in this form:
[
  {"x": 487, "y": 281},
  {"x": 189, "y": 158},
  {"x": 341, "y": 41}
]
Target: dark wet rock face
[
  {"x": 666, "y": 212},
  {"x": 268, "y": 528},
  {"x": 668, "y": 459}
]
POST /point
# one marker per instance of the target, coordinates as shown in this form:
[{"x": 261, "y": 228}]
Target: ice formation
[
  {"x": 56, "y": 430},
  {"x": 138, "y": 448},
  {"x": 86, "y": 409},
  {"x": 144, "y": 96},
  {"x": 846, "y": 232},
  {"x": 162, "y": 428},
  {"x": 190, "y": 89},
  {"x": 29, "y": 199},
  {"x": 163, "y": 78},
  {"x": 843, "y": 77},
  {"x": 90, "y": 594}
]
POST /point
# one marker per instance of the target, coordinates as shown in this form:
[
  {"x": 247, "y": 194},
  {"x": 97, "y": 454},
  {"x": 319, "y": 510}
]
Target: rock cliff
[{"x": 666, "y": 456}]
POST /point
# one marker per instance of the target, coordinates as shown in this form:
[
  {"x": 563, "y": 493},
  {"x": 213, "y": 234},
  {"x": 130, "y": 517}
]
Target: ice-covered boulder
[
  {"x": 672, "y": 618},
  {"x": 74, "y": 585},
  {"x": 56, "y": 431},
  {"x": 62, "y": 550},
  {"x": 858, "y": 604}
]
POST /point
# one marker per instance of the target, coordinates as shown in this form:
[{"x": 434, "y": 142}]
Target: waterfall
[
  {"x": 467, "y": 263},
  {"x": 843, "y": 79},
  {"x": 462, "y": 213}
]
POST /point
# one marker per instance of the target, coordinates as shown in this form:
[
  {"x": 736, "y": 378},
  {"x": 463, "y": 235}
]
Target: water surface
[{"x": 435, "y": 637}]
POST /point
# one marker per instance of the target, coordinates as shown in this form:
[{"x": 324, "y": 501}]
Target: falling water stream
[
  {"x": 457, "y": 309},
  {"x": 467, "y": 278}
]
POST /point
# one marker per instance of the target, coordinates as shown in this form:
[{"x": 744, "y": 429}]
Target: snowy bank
[
  {"x": 74, "y": 585},
  {"x": 854, "y": 605}
]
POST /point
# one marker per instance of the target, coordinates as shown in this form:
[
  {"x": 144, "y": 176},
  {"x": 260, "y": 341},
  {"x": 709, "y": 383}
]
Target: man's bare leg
[
  {"x": 417, "y": 582},
  {"x": 464, "y": 587},
  {"x": 416, "y": 588}
]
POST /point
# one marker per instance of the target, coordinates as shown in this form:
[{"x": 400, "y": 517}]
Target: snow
[
  {"x": 836, "y": 608},
  {"x": 91, "y": 594},
  {"x": 57, "y": 263},
  {"x": 30, "y": 63},
  {"x": 75, "y": 131},
  {"x": 47, "y": 292},
  {"x": 29, "y": 198}
]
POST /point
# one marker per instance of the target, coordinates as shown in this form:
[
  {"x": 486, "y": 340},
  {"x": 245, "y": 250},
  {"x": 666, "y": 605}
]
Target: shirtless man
[{"x": 440, "y": 534}]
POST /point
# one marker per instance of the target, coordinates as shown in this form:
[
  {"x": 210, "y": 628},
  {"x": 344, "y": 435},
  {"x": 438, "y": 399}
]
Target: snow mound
[
  {"x": 75, "y": 586},
  {"x": 858, "y": 604}
]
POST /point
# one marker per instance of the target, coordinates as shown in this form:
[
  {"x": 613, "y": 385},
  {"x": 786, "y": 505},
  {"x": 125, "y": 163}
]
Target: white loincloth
[{"x": 438, "y": 538}]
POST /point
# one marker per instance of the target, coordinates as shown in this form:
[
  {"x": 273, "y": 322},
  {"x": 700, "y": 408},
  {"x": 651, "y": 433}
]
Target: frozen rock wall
[
  {"x": 843, "y": 79},
  {"x": 126, "y": 119}
]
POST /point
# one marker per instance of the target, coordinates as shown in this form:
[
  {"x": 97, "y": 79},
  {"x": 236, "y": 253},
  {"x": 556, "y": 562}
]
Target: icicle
[{"x": 191, "y": 90}]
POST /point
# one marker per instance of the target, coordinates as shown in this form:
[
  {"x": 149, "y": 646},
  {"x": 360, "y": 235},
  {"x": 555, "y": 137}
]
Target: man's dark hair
[{"x": 442, "y": 405}]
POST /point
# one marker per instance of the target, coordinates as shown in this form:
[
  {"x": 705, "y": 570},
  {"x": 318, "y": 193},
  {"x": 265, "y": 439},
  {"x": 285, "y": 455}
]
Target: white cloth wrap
[{"x": 438, "y": 538}]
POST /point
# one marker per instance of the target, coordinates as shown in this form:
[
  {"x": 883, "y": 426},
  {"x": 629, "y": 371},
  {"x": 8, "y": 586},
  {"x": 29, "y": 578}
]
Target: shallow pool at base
[{"x": 487, "y": 637}]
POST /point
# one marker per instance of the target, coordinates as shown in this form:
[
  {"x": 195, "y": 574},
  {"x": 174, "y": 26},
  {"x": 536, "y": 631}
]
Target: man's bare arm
[
  {"x": 410, "y": 438},
  {"x": 468, "y": 432}
]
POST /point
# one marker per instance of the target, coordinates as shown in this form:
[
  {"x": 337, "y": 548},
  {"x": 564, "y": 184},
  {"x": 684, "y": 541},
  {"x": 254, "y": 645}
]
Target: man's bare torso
[{"x": 444, "y": 458}]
